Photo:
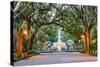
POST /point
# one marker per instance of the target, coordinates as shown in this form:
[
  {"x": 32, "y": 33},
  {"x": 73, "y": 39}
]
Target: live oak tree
[{"x": 88, "y": 14}]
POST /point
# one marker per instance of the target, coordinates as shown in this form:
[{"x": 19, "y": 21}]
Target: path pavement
[{"x": 54, "y": 58}]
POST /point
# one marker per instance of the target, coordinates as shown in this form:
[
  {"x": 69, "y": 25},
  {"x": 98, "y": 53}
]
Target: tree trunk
[
  {"x": 28, "y": 43},
  {"x": 19, "y": 44},
  {"x": 87, "y": 39},
  {"x": 21, "y": 36},
  {"x": 32, "y": 39}
]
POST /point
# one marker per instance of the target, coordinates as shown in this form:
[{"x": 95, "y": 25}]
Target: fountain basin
[{"x": 59, "y": 45}]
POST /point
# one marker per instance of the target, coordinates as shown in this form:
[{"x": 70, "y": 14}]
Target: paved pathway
[{"x": 54, "y": 58}]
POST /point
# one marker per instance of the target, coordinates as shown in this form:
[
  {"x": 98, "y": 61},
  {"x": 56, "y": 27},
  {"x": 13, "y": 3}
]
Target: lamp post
[{"x": 83, "y": 38}]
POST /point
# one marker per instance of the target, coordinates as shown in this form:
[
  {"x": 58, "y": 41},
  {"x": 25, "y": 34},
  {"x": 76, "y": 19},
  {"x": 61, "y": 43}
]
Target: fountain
[
  {"x": 59, "y": 44},
  {"x": 59, "y": 36}
]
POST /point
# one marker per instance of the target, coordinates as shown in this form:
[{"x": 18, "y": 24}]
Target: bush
[{"x": 17, "y": 56}]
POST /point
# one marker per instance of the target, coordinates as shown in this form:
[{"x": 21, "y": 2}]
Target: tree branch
[
  {"x": 17, "y": 6},
  {"x": 21, "y": 11},
  {"x": 93, "y": 23}
]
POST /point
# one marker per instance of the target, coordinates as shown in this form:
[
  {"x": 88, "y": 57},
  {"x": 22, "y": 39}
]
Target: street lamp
[
  {"x": 82, "y": 36},
  {"x": 93, "y": 41},
  {"x": 25, "y": 32}
]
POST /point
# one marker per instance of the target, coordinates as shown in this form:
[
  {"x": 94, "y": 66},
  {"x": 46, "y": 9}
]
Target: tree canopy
[{"x": 45, "y": 18}]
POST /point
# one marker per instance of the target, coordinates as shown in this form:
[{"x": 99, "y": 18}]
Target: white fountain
[{"x": 59, "y": 45}]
